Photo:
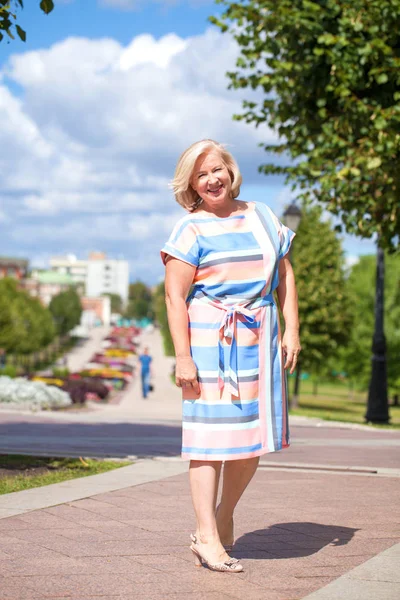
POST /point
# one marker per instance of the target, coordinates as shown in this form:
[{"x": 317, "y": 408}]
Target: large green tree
[
  {"x": 329, "y": 76},
  {"x": 139, "y": 302},
  {"x": 160, "y": 311},
  {"x": 9, "y": 16},
  {"x": 66, "y": 310},
  {"x": 324, "y": 306},
  {"x": 25, "y": 325}
]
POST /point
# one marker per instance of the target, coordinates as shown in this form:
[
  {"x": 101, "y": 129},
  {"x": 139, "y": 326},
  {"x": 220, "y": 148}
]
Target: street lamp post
[
  {"x": 292, "y": 218},
  {"x": 378, "y": 406}
]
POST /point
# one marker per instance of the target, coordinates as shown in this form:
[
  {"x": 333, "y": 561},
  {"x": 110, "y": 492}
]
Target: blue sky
[{"x": 97, "y": 106}]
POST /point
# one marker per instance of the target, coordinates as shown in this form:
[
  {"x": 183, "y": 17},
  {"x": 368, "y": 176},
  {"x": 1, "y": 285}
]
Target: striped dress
[{"x": 234, "y": 334}]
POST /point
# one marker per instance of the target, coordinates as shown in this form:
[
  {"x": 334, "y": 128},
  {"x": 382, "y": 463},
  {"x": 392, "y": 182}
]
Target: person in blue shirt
[{"x": 145, "y": 360}]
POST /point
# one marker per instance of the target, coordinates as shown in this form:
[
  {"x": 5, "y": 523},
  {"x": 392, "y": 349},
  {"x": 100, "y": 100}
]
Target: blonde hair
[{"x": 185, "y": 195}]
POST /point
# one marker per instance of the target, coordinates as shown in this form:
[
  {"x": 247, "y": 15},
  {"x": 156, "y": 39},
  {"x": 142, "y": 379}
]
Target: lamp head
[{"x": 292, "y": 216}]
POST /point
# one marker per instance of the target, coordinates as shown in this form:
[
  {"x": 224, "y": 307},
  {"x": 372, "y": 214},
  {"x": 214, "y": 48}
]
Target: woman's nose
[{"x": 213, "y": 178}]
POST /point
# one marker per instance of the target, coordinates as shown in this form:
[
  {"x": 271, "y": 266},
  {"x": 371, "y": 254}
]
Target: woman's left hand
[{"x": 291, "y": 348}]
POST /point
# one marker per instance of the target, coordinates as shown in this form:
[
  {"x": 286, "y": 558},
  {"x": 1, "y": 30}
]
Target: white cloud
[
  {"x": 93, "y": 138},
  {"x": 145, "y": 49}
]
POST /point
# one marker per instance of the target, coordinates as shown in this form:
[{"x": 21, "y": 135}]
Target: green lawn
[
  {"x": 334, "y": 402},
  {"x": 24, "y": 472}
]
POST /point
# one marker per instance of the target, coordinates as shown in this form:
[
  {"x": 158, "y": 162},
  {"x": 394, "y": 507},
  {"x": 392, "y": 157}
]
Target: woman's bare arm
[
  {"x": 178, "y": 279},
  {"x": 287, "y": 296}
]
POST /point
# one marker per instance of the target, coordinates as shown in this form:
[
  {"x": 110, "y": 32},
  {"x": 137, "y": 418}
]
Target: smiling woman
[{"x": 223, "y": 262}]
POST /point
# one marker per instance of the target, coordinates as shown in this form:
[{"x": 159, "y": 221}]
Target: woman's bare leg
[
  {"x": 204, "y": 478},
  {"x": 236, "y": 477}
]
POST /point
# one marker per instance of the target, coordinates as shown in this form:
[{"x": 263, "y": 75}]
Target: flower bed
[
  {"x": 31, "y": 395},
  {"x": 118, "y": 352},
  {"x": 105, "y": 373},
  {"x": 119, "y": 364},
  {"x": 79, "y": 388}
]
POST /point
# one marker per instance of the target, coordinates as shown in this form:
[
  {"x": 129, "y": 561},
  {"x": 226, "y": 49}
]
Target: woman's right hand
[{"x": 186, "y": 374}]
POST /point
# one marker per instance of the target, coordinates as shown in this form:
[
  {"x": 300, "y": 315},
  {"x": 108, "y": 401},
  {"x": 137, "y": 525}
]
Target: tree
[
  {"x": 116, "y": 302},
  {"x": 324, "y": 307},
  {"x": 8, "y": 16},
  {"x": 160, "y": 311},
  {"x": 25, "y": 325},
  {"x": 66, "y": 310},
  {"x": 329, "y": 74},
  {"x": 139, "y": 302}
]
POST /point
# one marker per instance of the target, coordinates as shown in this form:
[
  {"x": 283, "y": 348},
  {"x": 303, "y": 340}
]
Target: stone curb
[
  {"x": 142, "y": 471},
  {"x": 376, "y": 579}
]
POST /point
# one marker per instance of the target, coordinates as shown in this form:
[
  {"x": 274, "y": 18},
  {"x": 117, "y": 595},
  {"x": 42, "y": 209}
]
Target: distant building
[
  {"x": 108, "y": 276},
  {"x": 13, "y": 267},
  {"x": 70, "y": 265},
  {"x": 47, "y": 284},
  {"x": 101, "y": 275},
  {"x": 95, "y": 310}
]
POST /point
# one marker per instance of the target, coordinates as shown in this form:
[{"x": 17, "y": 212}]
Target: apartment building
[{"x": 99, "y": 274}]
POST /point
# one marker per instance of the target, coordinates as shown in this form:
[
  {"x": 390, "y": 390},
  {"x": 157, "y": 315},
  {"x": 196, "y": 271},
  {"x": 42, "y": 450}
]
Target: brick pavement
[{"x": 295, "y": 531}]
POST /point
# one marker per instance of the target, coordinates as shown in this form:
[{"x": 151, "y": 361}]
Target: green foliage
[
  {"x": 324, "y": 307},
  {"x": 116, "y": 302},
  {"x": 8, "y": 16},
  {"x": 66, "y": 310},
  {"x": 8, "y": 371},
  {"x": 160, "y": 311},
  {"x": 356, "y": 356},
  {"x": 25, "y": 325},
  {"x": 140, "y": 302},
  {"x": 60, "y": 372},
  {"x": 329, "y": 74}
]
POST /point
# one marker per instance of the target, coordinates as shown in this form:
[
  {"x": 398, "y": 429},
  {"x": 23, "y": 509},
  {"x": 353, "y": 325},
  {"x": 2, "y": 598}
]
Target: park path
[
  {"x": 298, "y": 532},
  {"x": 82, "y": 353}
]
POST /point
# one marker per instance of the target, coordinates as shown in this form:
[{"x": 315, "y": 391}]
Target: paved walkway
[
  {"x": 82, "y": 353},
  {"x": 297, "y": 533},
  {"x": 319, "y": 521}
]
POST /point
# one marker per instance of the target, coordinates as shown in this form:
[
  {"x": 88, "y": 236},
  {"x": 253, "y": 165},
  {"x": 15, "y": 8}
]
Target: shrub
[
  {"x": 78, "y": 389},
  {"x": 9, "y": 371},
  {"x": 60, "y": 372},
  {"x": 31, "y": 395}
]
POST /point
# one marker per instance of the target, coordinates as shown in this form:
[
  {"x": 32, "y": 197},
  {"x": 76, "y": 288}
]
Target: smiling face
[{"x": 212, "y": 181}]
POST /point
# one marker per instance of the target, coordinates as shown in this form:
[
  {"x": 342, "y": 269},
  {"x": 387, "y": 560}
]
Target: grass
[
  {"x": 25, "y": 472},
  {"x": 335, "y": 402}
]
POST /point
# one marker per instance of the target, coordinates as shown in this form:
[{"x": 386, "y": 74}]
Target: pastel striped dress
[{"x": 234, "y": 334}]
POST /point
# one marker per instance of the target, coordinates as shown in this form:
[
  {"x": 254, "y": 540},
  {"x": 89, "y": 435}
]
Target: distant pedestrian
[
  {"x": 3, "y": 358},
  {"x": 145, "y": 373}
]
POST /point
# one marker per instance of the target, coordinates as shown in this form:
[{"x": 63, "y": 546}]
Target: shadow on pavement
[
  {"x": 290, "y": 540},
  {"x": 91, "y": 440}
]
